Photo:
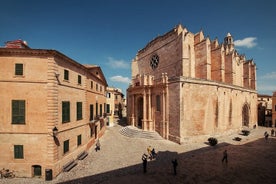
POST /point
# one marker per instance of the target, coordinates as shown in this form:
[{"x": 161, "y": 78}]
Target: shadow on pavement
[{"x": 253, "y": 162}]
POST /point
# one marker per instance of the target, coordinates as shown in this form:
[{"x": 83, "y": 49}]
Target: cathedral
[{"x": 185, "y": 85}]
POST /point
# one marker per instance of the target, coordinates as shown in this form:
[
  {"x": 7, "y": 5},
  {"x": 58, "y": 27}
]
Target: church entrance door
[{"x": 140, "y": 112}]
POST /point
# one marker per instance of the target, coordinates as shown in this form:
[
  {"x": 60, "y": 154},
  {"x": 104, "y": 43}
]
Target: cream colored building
[
  {"x": 185, "y": 85},
  {"x": 52, "y": 109},
  {"x": 115, "y": 104},
  {"x": 264, "y": 110},
  {"x": 274, "y": 109}
]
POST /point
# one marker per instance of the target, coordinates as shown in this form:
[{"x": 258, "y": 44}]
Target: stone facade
[
  {"x": 274, "y": 109},
  {"x": 43, "y": 90},
  {"x": 115, "y": 104},
  {"x": 264, "y": 110},
  {"x": 185, "y": 85}
]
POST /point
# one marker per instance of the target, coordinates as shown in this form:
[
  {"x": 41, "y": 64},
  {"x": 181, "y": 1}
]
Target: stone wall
[
  {"x": 44, "y": 88},
  {"x": 205, "y": 92}
]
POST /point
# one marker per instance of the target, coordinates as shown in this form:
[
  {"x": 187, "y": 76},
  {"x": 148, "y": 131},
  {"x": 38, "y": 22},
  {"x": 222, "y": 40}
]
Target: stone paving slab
[{"x": 119, "y": 160}]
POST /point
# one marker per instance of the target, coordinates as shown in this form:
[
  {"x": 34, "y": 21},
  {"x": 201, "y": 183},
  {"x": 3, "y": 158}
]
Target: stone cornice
[
  {"x": 46, "y": 53},
  {"x": 212, "y": 83}
]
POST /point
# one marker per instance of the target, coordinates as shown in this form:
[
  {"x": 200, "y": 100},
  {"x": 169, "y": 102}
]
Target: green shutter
[
  {"x": 66, "y": 75},
  {"x": 79, "y": 79},
  {"x": 18, "y": 151},
  {"x": 79, "y": 110},
  {"x": 101, "y": 109},
  {"x": 18, "y": 111},
  {"x": 108, "y": 108},
  {"x": 65, "y": 112},
  {"x": 65, "y": 146},
  {"x": 79, "y": 140},
  {"x": 18, "y": 69}
]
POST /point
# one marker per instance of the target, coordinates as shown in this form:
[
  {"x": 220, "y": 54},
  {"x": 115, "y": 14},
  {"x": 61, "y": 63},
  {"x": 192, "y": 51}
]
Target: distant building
[
  {"x": 115, "y": 104},
  {"x": 185, "y": 85},
  {"x": 52, "y": 109},
  {"x": 264, "y": 110},
  {"x": 274, "y": 109}
]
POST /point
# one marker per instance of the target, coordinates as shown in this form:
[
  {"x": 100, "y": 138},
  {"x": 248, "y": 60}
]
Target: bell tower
[{"x": 228, "y": 42}]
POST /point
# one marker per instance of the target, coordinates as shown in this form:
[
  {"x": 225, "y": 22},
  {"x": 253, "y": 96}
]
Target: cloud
[
  {"x": 248, "y": 42},
  {"x": 269, "y": 76},
  {"x": 266, "y": 84},
  {"x": 121, "y": 79},
  {"x": 119, "y": 64}
]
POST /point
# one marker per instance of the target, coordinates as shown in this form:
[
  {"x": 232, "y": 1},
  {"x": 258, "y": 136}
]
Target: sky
[{"x": 109, "y": 33}]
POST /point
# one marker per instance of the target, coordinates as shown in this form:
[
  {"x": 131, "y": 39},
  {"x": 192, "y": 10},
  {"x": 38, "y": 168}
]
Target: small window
[
  {"x": 158, "y": 108},
  {"x": 65, "y": 146},
  {"x": 100, "y": 88},
  {"x": 18, "y": 152},
  {"x": 66, "y": 75},
  {"x": 79, "y": 140},
  {"x": 91, "y": 84},
  {"x": 97, "y": 109},
  {"x": 101, "y": 109},
  {"x": 79, "y": 79},
  {"x": 65, "y": 112},
  {"x": 97, "y": 87},
  {"x": 18, "y": 69},
  {"x": 275, "y": 108},
  {"x": 107, "y": 108},
  {"x": 18, "y": 111},
  {"x": 79, "y": 110}
]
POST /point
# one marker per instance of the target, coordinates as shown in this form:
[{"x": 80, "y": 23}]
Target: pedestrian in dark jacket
[{"x": 174, "y": 162}]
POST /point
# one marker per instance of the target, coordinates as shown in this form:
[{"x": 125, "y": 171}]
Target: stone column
[
  {"x": 163, "y": 114},
  {"x": 149, "y": 111},
  {"x": 144, "y": 122},
  {"x": 132, "y": 110}
]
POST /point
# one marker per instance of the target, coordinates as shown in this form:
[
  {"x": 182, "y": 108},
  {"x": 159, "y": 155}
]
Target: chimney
[{"x": 17, "y": 44}]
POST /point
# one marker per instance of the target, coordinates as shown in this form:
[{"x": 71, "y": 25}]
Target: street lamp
[{"x": 55, "y": 132}]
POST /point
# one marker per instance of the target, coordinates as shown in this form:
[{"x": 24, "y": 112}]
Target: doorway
[
  {"x": 36, "y": 170},
  {"x": 245, "y": 115},
  {"x": 140, "y": 112},
  {"x": 96, "y": 132}
]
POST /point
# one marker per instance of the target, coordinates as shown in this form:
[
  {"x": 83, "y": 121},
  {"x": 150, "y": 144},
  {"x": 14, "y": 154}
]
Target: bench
[
  {"x": 82, "y": 155},
  {"x": 67, "y": 167}
]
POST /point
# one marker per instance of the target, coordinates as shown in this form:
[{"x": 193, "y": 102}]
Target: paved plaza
[{"x": 252, "y": 160}]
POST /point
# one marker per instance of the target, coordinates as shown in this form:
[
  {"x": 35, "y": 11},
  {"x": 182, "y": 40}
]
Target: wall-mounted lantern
[{"x": 55, "y": 132}]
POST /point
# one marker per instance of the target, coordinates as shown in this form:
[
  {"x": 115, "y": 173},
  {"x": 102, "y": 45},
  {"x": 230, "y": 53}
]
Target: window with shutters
[
  {"x": 79, "y": 140},
  {"x": 79, "y": 79},
  {"x": 66, "y": 75},
  {"x": 107, "y": 108},
  {"x": 79, "y": 110},
  {"x": 65, "y": 146},
  {"x": 18, "y": 69},
  {"x": 18, "y": 111},
  {"x": 18, "y": 152},
  {"x": 65, "y": 112},
  {"x": 101, "y": 110}
]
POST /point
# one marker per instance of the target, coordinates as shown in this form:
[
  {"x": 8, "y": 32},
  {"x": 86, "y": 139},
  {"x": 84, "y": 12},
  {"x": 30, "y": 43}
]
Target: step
[{"x": 134, "y": 132}]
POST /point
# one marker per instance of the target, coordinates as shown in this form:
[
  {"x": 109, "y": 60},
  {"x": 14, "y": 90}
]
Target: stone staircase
[{"x": 133, "y": 132}]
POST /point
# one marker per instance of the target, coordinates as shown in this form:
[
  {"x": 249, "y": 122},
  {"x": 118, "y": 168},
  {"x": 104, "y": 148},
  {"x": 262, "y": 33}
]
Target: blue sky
[{"x": 109, "y": 33}]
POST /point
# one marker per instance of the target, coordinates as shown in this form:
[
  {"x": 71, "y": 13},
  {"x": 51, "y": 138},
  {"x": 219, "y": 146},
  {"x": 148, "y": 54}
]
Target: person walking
[
  {"x": 145, "y": 162},
  {"x": 174, "y": 162},
  {"x": 266, "y": 135},
  {"x": 98, "y": 145},
  {"x": 225, "y": 157}
]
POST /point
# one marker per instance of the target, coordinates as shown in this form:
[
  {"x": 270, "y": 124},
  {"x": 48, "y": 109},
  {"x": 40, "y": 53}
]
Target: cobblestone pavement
[{"x": 119, "y": 160}]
